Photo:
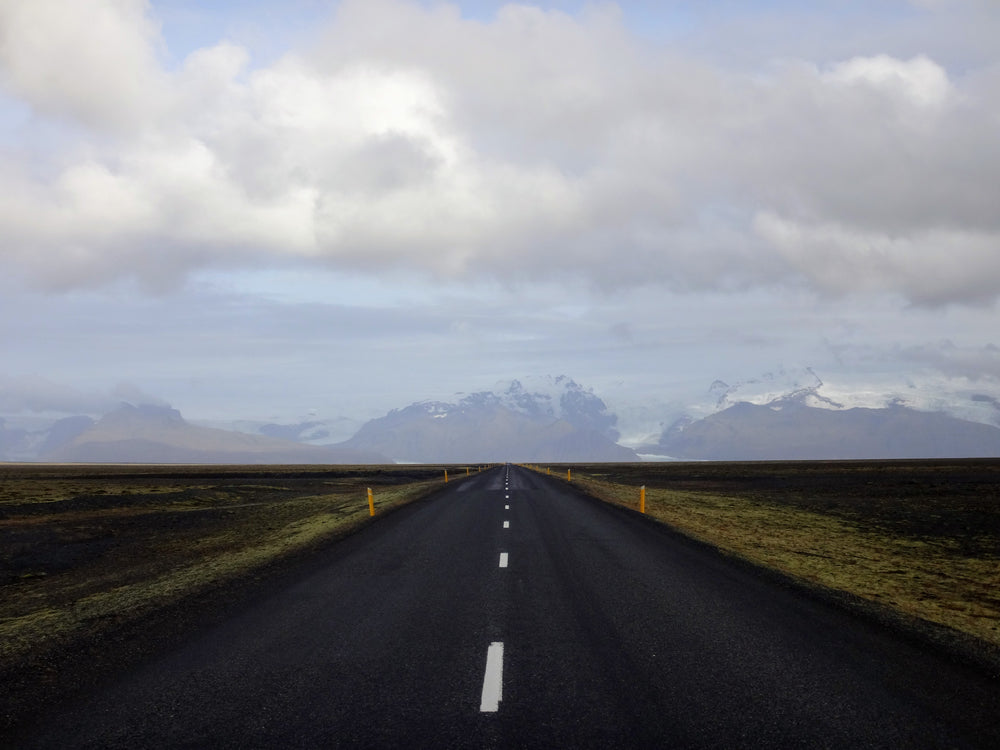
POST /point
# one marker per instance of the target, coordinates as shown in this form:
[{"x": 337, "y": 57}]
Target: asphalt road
[{"x": 575, "y": 625}]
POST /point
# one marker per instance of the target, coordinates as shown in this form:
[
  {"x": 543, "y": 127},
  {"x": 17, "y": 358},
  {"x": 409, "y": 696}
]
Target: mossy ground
[
  {"x": 86, "y": 548},
  {"x": 921, "y": 537}
]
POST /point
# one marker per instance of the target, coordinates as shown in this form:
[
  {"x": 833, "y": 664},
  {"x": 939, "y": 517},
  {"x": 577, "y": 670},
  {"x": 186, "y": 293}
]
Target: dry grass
[{"x": 925, "y": 552}]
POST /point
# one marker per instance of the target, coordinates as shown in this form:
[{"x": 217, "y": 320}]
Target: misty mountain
[
  {"x": 64, "y": 431},
  {"x": 159, "y": 434},
  {"x": 311, "y": 430},
  {"x": 301, "y": 432},
  {"x": 804, "y": 385},
  {"x": 557, "y": 397},
  {"x": 13, "y": 441},
  {"x": 26, "y": 444},
  {"x": 562, "y": 423},
  {"x": 788, "y": 428},
  {"x": 779, "y": 415}
]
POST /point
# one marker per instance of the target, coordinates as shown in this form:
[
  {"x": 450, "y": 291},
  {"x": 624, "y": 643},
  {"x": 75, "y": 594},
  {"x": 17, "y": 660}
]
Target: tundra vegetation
[{"x": 918, "y": 538}]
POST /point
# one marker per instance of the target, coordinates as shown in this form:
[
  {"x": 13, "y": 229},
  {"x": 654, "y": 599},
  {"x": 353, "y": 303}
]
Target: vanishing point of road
[{"x": 508, "y": 611}]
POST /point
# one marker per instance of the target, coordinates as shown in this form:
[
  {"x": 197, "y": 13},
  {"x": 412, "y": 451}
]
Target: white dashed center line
[
  {"x": 506, "y": 524},
  {"x": 493, "y": 679},
  {"x": 503, "y": 559},
  {"x": 506, "y": 507}
]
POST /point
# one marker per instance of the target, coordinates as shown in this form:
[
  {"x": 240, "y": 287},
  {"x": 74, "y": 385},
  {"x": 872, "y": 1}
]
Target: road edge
[
  {"x": 32, "y": 686},
  {"x": 949, "y": 642}
]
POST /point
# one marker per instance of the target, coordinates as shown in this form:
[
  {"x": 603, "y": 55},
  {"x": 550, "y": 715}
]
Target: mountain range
[
  {"x": 147, "y": 433},
  {"x": 553, "y": 419},
  {"x": 795, "y": 415},
  {"x": 563, "y": 422},
  {"x": 792, "y": 430}
]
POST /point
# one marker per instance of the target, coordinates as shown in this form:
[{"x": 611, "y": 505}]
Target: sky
[{"x": 272, "y": 210}]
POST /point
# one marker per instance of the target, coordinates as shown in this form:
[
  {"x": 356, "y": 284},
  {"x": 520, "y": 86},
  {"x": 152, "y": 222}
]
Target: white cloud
[
  {"x": 95, "y": 62},
  {"x": 535, "y": 145},
  {"x": 920, "y": 80}
]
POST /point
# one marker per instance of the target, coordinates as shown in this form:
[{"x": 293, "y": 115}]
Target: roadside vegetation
[
  {"x": 919, "y": 537},
  {"x": 84, "y": 549}
]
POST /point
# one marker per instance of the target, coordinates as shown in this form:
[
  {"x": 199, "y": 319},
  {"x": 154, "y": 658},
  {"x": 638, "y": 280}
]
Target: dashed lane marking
[{"x": 493, "y": 679}]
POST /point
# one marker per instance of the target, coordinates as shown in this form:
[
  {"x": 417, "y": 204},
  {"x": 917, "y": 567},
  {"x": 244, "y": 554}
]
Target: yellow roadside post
[
  {"x": 466, "y": 471},
  {"x": 642, "y": 499},
  {"x": 569, "y": 475},
  {"x": 371, "y": 503},
  {"x": 446, "y": 476}
]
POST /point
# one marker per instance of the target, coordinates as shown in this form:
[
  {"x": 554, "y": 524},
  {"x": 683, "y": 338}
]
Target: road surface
[{"x": 510, "y": 612}]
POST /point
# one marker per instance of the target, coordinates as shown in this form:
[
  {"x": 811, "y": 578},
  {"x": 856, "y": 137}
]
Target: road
[{"x": 514, "y": 613}]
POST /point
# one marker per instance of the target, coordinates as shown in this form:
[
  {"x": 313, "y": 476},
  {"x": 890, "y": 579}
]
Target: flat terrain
[
  {"x": 918, "y": 538},
  {"x": 510, "y": 610},
  {"x": 91, "y": 557}
]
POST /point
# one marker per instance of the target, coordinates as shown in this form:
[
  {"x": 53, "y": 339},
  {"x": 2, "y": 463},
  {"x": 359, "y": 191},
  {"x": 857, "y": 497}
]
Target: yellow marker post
[
  {"x": 466, "y": 471},
  {"x": 569, "y": 475},
  {"x": 642, "y": 499},
  {"x": 446, "y": 476},
  {"x": 371, "y": 503}
]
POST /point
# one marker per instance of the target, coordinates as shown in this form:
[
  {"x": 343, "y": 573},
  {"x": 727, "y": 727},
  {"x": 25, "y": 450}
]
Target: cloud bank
[
  {"x": 32, "y": 394},
  {"x": 535, "y": 144}
]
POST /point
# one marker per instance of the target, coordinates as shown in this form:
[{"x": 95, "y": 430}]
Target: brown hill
[{"x": 155, "y": 434}]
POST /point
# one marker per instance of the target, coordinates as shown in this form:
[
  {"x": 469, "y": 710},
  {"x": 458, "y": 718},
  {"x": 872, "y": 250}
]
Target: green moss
[
  {"x": 115, "y": 545},
  {"x": 866, "y": 544}
]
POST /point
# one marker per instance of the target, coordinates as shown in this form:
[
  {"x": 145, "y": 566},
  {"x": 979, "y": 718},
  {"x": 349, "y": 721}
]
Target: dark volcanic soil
[{"x": 952, "y": 500}]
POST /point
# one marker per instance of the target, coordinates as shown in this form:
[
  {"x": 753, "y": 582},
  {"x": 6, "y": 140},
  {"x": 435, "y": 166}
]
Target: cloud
[
  {"x": 920, "y": 81},
  {"x": 34, "y": 394},
  {"x": 95, "y": 62},
  {"x": 535, "y": 145},
  {"x": 973, "y": 363},
  {"x": 136, "y": 396},
  {"x": 930, "y": 267}
]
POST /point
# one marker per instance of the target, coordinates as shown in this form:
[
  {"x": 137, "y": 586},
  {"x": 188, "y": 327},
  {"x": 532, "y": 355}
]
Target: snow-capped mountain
[
  {"x": 748, "y": 431},
  {"x": 553, "y": 419},
  {"x": 557, "y": 419},
  {"x": 803, "y": 386},
  {"x": 795, "y": 414},
  {"x": 558, "y": 397},
  {"x": 961, "y": 399}
]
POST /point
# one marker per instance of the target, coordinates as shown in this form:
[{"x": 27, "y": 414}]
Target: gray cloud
[
  {"x": 24, "y": 394},
  {"x": 536, "y": 145},
  {"x": 973, "y": 363},
  {"x": 134, "y": 395},
  {"x": 278, "y": 349}
]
